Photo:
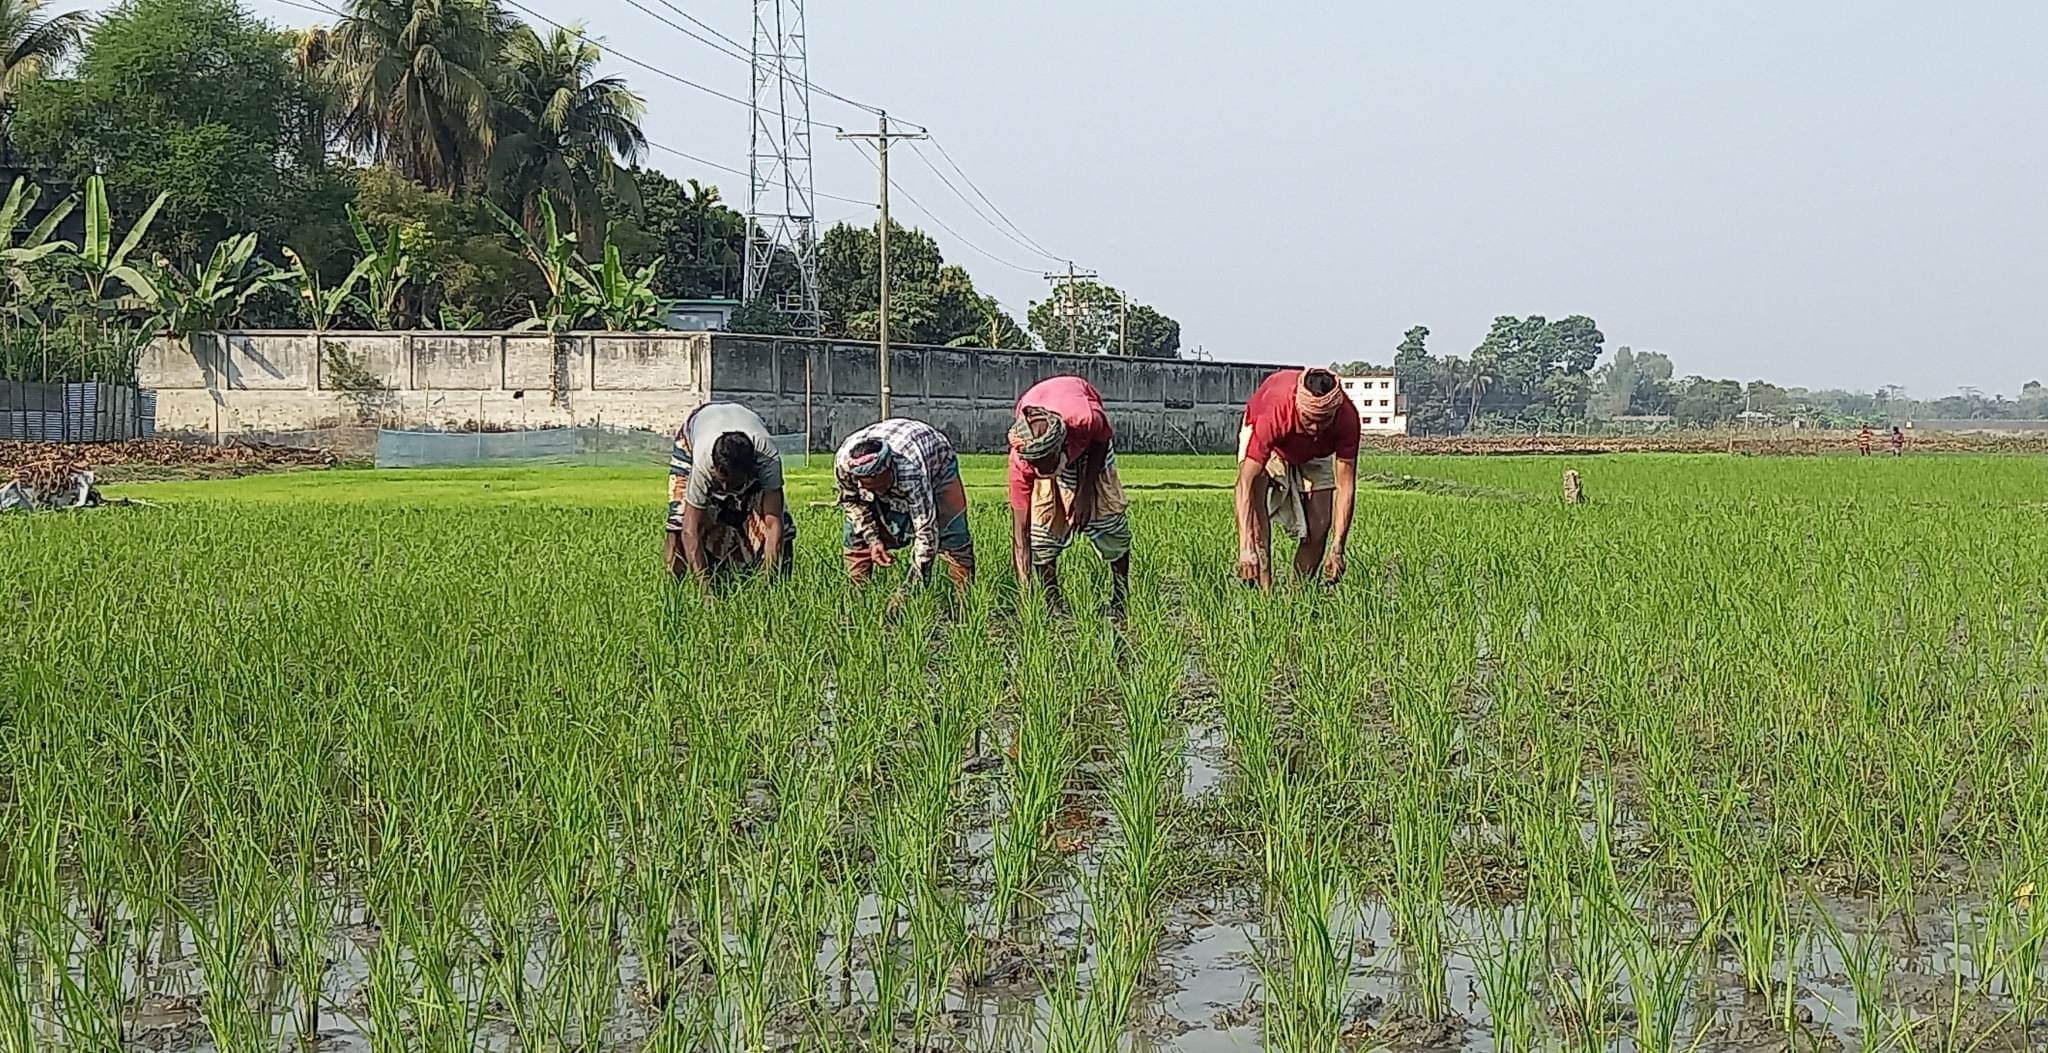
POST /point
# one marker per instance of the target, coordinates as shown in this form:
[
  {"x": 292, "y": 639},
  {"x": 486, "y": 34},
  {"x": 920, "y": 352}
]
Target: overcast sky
[{"x": 1816, "y": 192}]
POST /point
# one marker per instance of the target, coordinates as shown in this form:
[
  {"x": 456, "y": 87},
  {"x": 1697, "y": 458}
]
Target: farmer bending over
[
  {"x": 1298, "y": 464},
  {"x": 1063, "y": 482},
  {"x": 727, "y": 514},
  {"x": 899, "y": 483}
]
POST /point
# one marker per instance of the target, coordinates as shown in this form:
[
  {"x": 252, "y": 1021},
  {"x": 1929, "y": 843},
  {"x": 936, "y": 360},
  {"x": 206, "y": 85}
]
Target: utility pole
[
  {"x": 1063, "y": 284},
  {"x": 1123, "y": 324},
  {"x": 881, "y": 138}
]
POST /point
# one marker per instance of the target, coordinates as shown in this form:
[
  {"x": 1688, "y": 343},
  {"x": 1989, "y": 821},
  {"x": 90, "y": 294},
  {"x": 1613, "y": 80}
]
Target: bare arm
[
  {"x": 1347, "y": 503},
  {"x": 768, "y": 523},
  {"x": 1341, "y": 511},
  {"x": 693, "y": 543},
  {"x": 1254, "y": 543},
  {"x": 1020, "y": 544}
]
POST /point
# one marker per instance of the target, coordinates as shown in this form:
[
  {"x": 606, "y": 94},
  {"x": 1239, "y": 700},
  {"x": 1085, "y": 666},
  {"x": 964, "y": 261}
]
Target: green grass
[{"x": 442, "y": 757}]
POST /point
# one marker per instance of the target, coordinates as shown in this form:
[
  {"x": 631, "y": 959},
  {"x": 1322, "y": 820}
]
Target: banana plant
[
  {"x": 323, "y": 305},
  {"x": 459, "y": 319},
  {"x": 37, "y": 243},
  {"x": 386, "y": 268},
  {"x": 100, "y": 263},
  {"x": 552, "y": 251},
  {"x": 214, "y": 293},
  {"x": 624, "y": 300}
]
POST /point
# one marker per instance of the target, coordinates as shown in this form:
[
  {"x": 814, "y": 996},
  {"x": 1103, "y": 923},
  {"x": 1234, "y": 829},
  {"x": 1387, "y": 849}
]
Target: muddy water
[{"x": 1203, "y": 993}]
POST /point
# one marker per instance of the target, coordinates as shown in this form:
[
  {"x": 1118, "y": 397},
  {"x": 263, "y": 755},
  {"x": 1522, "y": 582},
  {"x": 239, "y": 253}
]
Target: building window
[
  {"x": 1385, "y": 383},
  {"x": 1383, "y": 420}
]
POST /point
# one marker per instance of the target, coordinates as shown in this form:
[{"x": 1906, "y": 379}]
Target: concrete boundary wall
[
  {"x": 230, "y": 383},
  {"x": 249, "y": 381},
  {"x": 1156, "y": 405}
]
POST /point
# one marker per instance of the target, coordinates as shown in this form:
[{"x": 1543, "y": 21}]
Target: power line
[
  {"x": 957, "y": 236},
  {"x": 707, "y": 162},
  {"x": 316, "y": 8},
  {"x": 733, "y": 51},
  {"x": 745, "y": 54},
  {"x": 991, "y": 204},
  {"x": 648, "y": 66},
  {"x": 979, "y": 214}
]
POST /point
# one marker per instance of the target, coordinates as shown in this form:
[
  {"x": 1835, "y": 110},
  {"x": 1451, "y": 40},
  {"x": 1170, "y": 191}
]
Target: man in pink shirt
[
  {"x": 1298, "y": 464},
  {"x": 1063, "y": 481}
]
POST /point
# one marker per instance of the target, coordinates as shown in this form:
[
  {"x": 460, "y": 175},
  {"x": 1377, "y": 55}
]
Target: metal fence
[{"x": 90, "y": 412}]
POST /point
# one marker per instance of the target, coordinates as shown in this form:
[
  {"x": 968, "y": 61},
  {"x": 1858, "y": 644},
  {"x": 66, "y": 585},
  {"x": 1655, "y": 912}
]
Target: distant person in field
[
  {"x": 1898, "y": 442},
  {"x": 726, "y": 511},
  {"x": 1063, "y": 482},
  {"x": 1863, "y": 441},
  {"x": 899, "y": 484},
  {"x": 1297, "y": 465}
]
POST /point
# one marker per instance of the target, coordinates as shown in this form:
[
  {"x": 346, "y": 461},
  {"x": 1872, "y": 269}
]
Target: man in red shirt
[
  {"x": 1063, "y": 482},
  {"x": 1297, "y": 463}
]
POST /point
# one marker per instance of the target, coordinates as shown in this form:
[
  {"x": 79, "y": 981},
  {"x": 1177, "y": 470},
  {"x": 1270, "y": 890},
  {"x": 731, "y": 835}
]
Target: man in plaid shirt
[{"x": 899, "y": 484}]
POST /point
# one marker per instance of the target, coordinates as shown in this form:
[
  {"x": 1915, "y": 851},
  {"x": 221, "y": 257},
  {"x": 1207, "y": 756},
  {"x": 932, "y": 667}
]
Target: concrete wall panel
[
  {"x": 179, "y": 364},
  {"x": 949, "y": 374},
  {"x": 530, "y": 360},
  {"x": 855, "y": 373},
  {"x": 278, "y": 362},
  {"x": 646, "y": 362},
  {"x": 746, "y": 364},
  {"x": 455, "y": 361}
]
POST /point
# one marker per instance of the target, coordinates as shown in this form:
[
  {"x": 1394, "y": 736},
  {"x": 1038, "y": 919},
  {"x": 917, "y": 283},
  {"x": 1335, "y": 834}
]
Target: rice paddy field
[{"x": 1745, "y": 754}]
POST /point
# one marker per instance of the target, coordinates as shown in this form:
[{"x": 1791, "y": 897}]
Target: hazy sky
[{"x": 1816, "y": 192}]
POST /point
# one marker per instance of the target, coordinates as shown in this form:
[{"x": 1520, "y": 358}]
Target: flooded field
[{"x": 1744, "y": 755}]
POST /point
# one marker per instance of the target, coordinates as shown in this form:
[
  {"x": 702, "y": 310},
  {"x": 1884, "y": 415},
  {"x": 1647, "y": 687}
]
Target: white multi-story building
[{"x": 1378, "y": 399}]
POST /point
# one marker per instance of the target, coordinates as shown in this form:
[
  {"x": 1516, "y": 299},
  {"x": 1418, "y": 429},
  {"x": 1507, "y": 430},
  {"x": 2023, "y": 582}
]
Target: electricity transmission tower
[{"x": 781, "y": 217}]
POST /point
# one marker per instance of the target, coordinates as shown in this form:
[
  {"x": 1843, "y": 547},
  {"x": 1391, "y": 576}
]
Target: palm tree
[
  {"x": 1481, "y": 380},
  {"x": 31, "y": 42},
  {"x": 411, "y": 79},
  {"x": 562, "y": 130}
]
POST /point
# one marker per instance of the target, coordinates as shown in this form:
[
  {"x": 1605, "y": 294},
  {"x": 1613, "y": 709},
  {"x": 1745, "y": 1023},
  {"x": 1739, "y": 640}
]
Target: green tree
[
  {"x": 1652, "y": 395},
  {"x": 1152, "y": 334},
  {"x": 1411, "y": 358},
  {"x": 930, "y": 300},
  {"x": 32, "y": 40},
  {"x": 562, "y": 129},
  {"x": 1089, "y": 318},
  {"x": 700, "y": 242},
  {"x": 1614, "y": 384},
  {"x": 1702, "y": 402},
  {"x": 411, "y": 83},
  {"x": 198, "y": 100},
  {"x": 1533, "y": 369},
  {"x": 462, "y": 261}
]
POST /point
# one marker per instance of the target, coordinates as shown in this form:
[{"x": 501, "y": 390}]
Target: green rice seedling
[
  {"x": 1867, "y": 960},
  {"x": 1758, "y": 918},
  {"x": 1075, "y": 1022},
  {"x": 757, "y": 929},
  {"x": 1421, "y": 834},
  {"x": 1045, "y": 749},
  {"x": 1305, "y": 979},
  {"x": 1509, "y": 958},
  {"x": 1660, "y": 966}
]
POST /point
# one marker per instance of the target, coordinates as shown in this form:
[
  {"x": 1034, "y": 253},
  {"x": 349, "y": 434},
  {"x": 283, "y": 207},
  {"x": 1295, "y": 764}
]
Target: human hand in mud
[{"x": 1333, "y": 567}]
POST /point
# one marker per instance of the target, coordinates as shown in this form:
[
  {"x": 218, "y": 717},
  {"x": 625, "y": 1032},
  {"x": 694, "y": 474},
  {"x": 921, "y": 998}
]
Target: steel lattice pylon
[{"x": 781, "y": 217}]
